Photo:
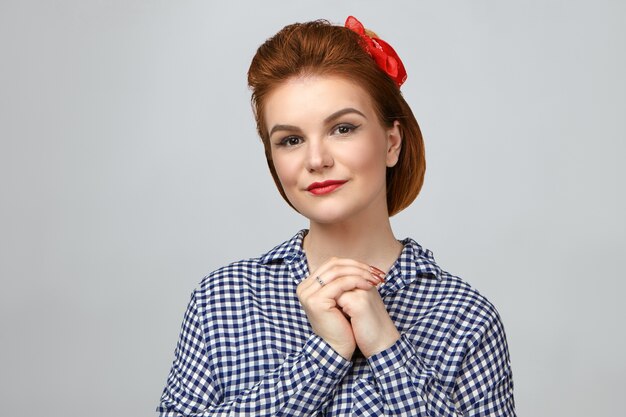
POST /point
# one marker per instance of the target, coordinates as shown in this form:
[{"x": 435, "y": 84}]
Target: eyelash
[
  {"x": 351, "y": 128},
  {"x": 285, "y": 142}
]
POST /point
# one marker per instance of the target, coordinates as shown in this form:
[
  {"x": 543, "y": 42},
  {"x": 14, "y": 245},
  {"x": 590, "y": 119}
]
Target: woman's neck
[{"x": 372, "y": 243}]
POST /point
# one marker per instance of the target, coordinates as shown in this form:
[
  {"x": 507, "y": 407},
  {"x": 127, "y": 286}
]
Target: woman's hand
[
  {"x": 319, "y": 293},
  {"x": 373, "y": 329}
]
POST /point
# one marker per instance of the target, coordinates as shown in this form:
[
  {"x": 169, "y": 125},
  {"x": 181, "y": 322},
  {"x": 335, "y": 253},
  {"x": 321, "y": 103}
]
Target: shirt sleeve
[
  {"x": 301, "y": 385},
  {"x": 404, "y": 384}
]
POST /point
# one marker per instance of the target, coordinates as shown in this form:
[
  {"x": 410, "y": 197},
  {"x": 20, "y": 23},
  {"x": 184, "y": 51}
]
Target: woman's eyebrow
[
  {"x": 341, "y": 112},
  {"x": 288, "y": 128},
  {"x": 335, "y": 115}
]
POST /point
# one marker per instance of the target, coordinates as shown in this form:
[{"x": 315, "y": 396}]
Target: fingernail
[
  {"x": 378, "y": 273},
  {"x": 377, "y": 270}
]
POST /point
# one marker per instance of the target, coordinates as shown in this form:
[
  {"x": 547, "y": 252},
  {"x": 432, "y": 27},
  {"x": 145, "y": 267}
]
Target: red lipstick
[{"x": 320, "y": 188}]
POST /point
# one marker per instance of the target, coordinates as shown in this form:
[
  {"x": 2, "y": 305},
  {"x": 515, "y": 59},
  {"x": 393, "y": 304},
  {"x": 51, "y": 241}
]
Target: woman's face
[{"x": 329, "y": 149}]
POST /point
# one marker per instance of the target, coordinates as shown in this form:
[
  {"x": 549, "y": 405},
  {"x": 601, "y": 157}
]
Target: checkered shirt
[{"x": 246, "y": 347}]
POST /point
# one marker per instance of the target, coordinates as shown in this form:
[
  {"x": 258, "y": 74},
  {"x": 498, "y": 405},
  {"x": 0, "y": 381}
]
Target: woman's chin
[
  {"x": 331, "y": 216},
  {"x": 326, "y": 218}
]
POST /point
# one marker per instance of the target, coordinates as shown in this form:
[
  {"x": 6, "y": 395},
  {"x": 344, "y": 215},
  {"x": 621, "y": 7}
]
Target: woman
[{"x": 342, "y": 319}]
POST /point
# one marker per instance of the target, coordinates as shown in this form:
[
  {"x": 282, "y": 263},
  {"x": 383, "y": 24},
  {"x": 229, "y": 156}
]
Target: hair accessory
[{"x": 384, "y": 55}]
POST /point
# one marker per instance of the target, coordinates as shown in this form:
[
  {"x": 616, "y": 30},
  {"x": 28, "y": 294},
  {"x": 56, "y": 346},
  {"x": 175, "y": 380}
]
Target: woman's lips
[{"x": 320, "y": 188}]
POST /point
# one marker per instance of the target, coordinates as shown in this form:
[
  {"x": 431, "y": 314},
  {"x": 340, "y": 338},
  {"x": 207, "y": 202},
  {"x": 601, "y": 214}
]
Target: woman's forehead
[{"x": 302, "y": 98}]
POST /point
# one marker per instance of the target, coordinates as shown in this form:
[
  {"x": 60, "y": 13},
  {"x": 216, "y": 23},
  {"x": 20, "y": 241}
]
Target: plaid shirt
[{"x": 246, "y": 347}]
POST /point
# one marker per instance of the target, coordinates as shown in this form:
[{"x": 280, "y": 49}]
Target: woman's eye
[
  {"x": 344, "y": 129},
  {"x": 291, "y": 141}
]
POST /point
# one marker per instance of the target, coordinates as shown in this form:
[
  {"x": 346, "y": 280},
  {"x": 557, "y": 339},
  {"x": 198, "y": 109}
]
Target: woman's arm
[
  {"x": 483, "y": 386},
  {"x": 301, "y": 385},
  {"x": 477, "y": 380}
]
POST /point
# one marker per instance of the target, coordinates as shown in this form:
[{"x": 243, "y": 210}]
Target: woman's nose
[{"x": 318, "y": 156}]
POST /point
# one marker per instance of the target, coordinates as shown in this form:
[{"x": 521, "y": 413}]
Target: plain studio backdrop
[{"x": 130, "y": 168}]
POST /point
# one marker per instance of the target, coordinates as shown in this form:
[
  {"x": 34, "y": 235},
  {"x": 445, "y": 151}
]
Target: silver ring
[{"x": 322, "y": 283}]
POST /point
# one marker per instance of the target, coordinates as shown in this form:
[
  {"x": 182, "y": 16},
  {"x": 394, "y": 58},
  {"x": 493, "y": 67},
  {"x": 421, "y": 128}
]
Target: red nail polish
[
  {"x": 377, "y": 270},
  {"x": 377, "y": 273}
]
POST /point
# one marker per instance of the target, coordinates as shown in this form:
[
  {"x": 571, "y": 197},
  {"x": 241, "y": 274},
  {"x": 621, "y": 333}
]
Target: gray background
[{"x": 130, "y": 168}]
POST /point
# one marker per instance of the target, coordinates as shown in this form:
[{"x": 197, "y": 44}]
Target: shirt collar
[
  {"x": 414, "y": 261},
  {"x": 286, "y": 251}
]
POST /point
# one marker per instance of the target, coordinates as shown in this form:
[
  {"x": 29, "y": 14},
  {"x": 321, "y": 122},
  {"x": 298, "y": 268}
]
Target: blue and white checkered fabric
[{"x": 246, "y": 347}]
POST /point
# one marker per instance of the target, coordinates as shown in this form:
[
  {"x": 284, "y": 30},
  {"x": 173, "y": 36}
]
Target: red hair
[{"x": 319, "y": 48}]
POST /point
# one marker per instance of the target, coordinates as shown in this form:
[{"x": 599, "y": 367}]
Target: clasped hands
[{"x": 344, "y": 307}]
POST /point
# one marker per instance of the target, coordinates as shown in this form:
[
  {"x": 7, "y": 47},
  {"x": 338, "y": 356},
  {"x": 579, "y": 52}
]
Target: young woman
[{"x": 343, "y": 319}]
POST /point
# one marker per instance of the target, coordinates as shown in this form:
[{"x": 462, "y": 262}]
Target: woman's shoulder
[
  {"x": 234, "y": 277},
  {"x": 445, "y": 289},
  {"x": 469, "y": 299},
  {"x": 248, "y": 273}
]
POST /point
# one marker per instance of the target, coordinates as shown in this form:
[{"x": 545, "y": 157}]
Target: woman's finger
[
  {"x": 315, "y": 282},
  {"x": 335, "y": 263},
  {"x": 343, "y": 284}
]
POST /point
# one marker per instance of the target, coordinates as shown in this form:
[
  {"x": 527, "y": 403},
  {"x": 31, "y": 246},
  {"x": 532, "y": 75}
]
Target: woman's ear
[{"x": 394, "y": 144}]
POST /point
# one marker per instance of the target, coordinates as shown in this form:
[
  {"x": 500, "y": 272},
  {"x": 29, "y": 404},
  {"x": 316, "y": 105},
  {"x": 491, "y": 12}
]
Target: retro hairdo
[{"x": 320, "y": 48}]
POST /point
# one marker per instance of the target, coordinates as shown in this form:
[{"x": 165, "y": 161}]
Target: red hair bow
[{"x": 384, "y": 55}]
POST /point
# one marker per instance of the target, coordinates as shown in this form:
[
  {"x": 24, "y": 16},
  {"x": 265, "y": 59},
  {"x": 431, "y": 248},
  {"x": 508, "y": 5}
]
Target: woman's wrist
[{"x": 385, "y": 342}]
